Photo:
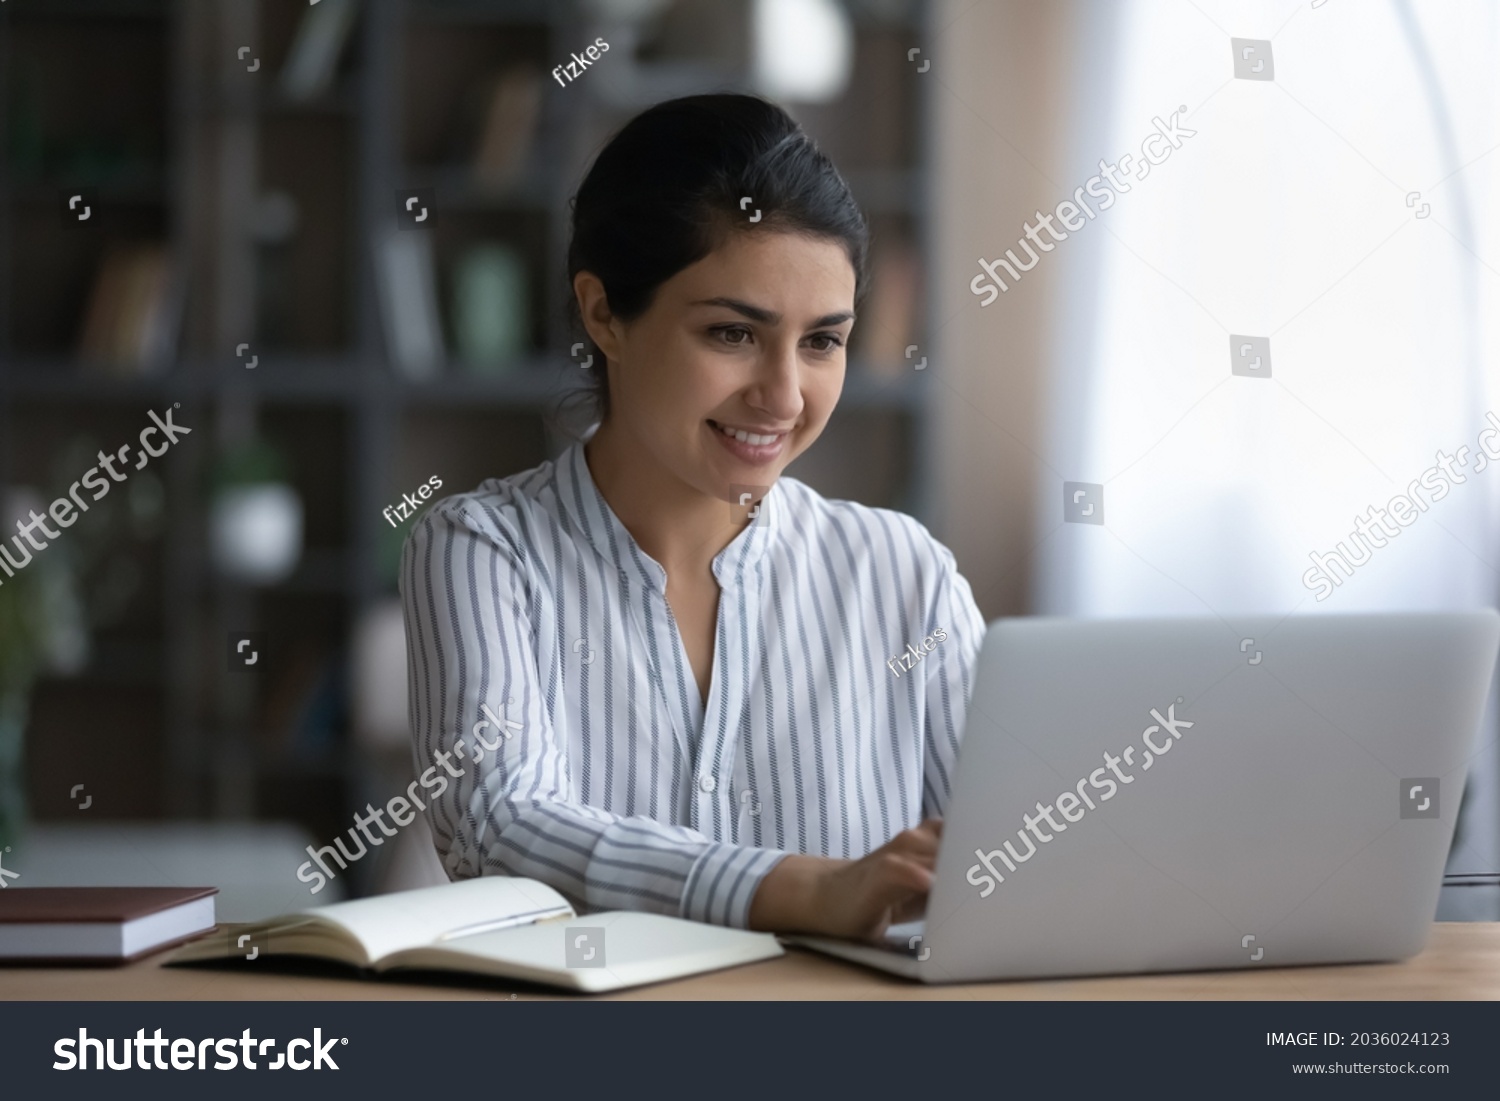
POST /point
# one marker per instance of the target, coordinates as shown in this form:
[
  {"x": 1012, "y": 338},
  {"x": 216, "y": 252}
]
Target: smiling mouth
[{"x": 754, "y": 439}]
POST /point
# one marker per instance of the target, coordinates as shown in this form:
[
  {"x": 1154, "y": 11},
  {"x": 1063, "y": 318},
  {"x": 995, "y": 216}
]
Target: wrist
[{"x": 786, "y": 901}]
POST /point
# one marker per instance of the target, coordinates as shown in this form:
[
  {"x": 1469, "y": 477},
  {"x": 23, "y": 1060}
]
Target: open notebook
[{"x": 495, "y": 925}]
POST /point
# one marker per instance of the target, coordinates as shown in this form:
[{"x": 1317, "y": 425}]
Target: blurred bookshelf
[{"x": 245, "y": 158}]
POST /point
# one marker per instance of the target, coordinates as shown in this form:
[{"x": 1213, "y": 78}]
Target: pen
[{"x": 499, "y": 923}]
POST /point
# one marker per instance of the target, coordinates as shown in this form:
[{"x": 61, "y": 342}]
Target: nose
[{"x": 777, "y": 388}]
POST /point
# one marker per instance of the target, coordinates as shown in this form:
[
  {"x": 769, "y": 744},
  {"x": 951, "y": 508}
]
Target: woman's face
[{"x": 735, "y": 368}]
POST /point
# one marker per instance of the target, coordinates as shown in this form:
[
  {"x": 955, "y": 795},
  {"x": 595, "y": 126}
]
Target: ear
[{"x": 604, "y": 329}]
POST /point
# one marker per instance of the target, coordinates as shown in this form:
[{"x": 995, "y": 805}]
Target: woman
[{"x": 698, "y": 681}]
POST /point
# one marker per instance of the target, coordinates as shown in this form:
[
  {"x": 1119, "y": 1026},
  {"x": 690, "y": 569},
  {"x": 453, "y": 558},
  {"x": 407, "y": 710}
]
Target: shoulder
[
  {"x": 809, "y": 519},
  {"x": 508, "y": 513}
]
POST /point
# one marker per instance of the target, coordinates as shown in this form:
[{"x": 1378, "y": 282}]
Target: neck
[{"x": 678, "y": 525}]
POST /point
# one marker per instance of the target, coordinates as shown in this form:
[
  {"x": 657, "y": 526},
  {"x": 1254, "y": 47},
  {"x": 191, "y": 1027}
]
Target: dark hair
[{"x": 667, "y": 188}]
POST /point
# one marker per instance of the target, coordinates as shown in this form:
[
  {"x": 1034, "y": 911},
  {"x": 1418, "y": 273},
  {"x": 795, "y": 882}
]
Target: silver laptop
[{"x": 1190, "y": 794}]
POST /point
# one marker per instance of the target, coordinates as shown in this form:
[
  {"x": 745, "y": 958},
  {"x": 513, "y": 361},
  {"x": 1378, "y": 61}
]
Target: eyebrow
[{"x": 771, "y": 317}]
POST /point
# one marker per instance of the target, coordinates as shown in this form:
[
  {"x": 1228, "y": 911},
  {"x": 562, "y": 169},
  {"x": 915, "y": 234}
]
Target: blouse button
[{"x": 706, "y": 783}]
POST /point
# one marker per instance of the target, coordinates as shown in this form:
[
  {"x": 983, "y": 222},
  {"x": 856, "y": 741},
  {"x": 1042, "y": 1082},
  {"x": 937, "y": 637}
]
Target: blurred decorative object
[
  {"x": 489, "y": 307},
  {"x": 803, "y": 49},
  {"x": 255, "y": 520},
  {"x": 380, "y": 716},
  {"x": 408, "y": 299},
  {"x": 257, "y": 533},
  {"x": 314, "y": 57},
  {"x": 889, "y": 318},
  {"x": 131, "y": 321},
  {"x": 509, "y": 127}
]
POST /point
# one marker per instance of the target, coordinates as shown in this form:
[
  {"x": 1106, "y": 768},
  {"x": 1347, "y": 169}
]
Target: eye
[
  {"x": 735, "y": 336},
  {"x": 830, "y": 341}
]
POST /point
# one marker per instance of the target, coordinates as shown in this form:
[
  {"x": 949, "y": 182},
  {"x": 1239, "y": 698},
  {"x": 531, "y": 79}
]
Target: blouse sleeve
[
  {"x": 501, "y": 801},
  {"x": 949, "y": 681}
]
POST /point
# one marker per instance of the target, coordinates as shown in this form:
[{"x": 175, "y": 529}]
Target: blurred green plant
[
  {"x": 21, "y": 633},
  {"x": 256, "y": 462}
]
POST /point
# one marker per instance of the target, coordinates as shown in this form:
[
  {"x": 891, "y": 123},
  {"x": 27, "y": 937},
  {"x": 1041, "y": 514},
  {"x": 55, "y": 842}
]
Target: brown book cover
[
  {"x": 92, "y": 906},
  {"x": 39, "y": 905}
]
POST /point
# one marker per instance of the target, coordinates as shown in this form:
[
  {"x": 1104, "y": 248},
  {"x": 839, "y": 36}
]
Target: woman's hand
[{"x": 850, "y": 898}]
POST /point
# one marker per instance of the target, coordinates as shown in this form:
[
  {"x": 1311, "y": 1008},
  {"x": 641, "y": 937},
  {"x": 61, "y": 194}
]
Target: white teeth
[{"x": 751, "y": 438}]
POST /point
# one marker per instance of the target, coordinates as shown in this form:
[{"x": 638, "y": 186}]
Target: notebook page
[
  {"x": 411, "y": 919},
  {"x": 609, "y": 951}
]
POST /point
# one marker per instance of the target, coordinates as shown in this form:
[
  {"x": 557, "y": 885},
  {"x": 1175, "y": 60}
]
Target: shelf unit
[{"x": 180, "y": 145}]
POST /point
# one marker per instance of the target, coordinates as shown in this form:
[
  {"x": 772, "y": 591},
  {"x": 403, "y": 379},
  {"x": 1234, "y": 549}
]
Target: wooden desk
[{"x": 1462, "y": 961}]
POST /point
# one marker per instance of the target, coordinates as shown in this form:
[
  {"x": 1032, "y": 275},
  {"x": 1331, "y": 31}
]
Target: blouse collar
[{"x": 586, "y": 507}]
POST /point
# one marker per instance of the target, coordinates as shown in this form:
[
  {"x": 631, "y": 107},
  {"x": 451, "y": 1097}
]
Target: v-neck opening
[
  {"x": 698, "y": 697},
  {"x": 736, "y": 570}
]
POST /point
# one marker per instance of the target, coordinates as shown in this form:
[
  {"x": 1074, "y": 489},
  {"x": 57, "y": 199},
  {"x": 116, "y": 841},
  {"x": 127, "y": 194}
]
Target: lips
[
  {"x": 753, "y": 438},
  {"x": 755, "y": 445}
]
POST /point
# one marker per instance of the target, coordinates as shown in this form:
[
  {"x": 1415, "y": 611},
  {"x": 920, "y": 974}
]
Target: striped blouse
[{"x": 549, "y": 681}]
